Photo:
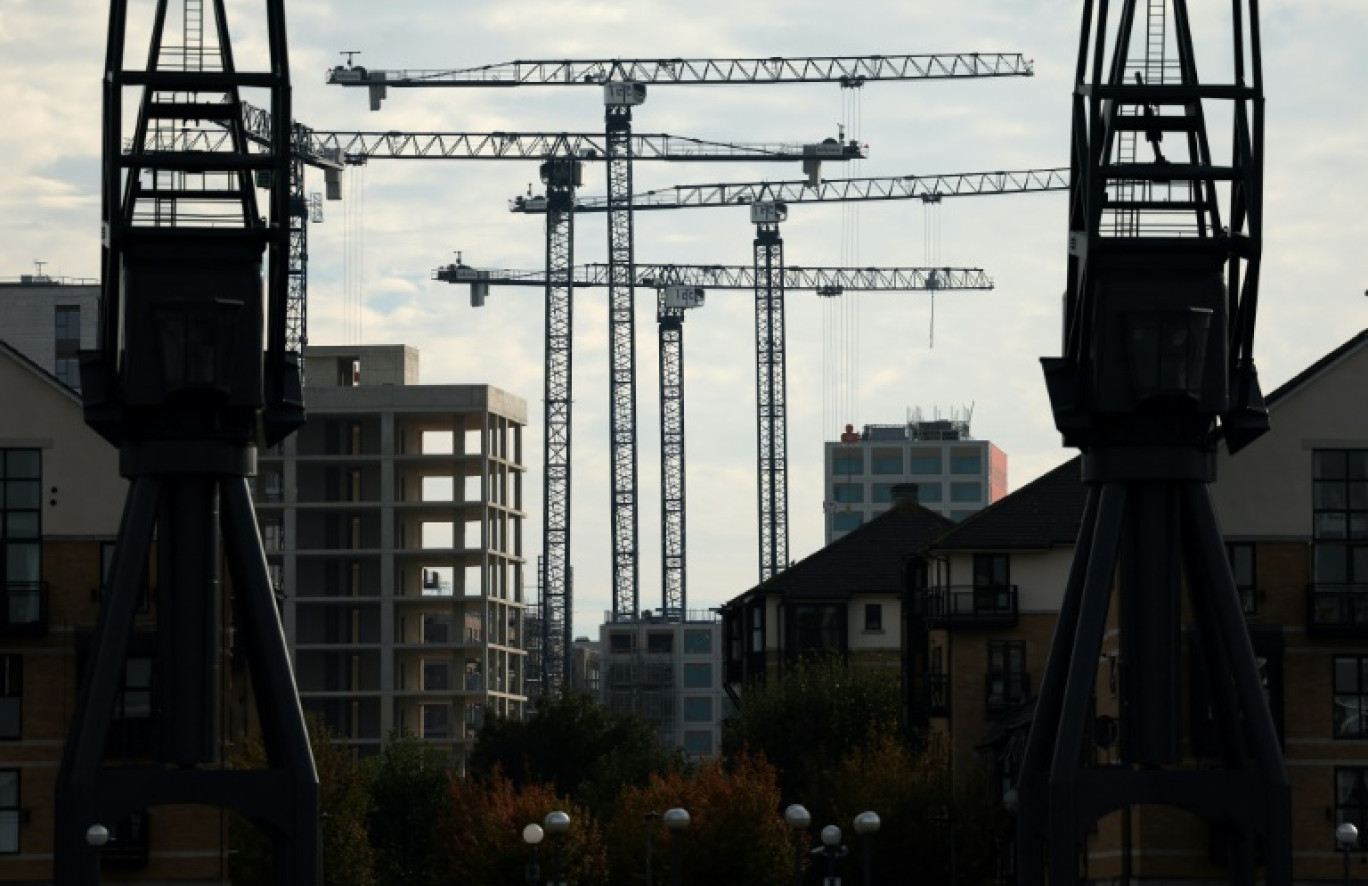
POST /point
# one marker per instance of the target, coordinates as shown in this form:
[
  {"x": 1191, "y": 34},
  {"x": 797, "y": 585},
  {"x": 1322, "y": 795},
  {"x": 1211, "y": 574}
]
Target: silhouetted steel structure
[
  {"x": 624, "y": 85},
  {"x": 180, "y": 384},
  {"x": 768, "y": 204},
  {"x": 1157, "y": 366},
  {"x": 679, "y": 288}
]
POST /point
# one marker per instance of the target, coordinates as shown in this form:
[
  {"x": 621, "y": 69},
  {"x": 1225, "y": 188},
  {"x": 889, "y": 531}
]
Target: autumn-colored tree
[
  {"x": 484, "y": 840},
  {"x": 810, "y": 717},
  {"x": 343, "y": 799},
  {"x": 735, "y": 833}
]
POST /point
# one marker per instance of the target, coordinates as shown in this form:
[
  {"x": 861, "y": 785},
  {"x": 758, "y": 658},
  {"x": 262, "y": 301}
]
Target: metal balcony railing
[
  {"x": 25, "y": 610},
  {"x": 1337, "y": 609},
  {"x": 965, "y": 606}
]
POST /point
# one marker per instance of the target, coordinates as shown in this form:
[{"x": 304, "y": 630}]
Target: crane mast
[
  {"x": 624, "y": 83},
  {"x": 767, "y": 212},
  {"x": 680, "y": 288},
  {"x": 1164, "y": 249}
]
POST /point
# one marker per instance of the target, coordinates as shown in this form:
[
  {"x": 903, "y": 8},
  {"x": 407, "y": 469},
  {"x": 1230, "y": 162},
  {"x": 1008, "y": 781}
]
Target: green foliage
[
  {"x": 410, "y": 812},
  {"x": 735, "y": 834},
  {"x": 485, "y": 842},
  {"x": 343, "y": 799},
  {"x": 587, "y": 751},
  {"x": 815, "y": 714}
]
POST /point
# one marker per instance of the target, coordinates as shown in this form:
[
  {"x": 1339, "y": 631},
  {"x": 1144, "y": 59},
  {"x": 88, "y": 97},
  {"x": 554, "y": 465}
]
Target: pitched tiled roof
[
  {"x": 1043, "y": 514},
  {"x": 868, "y": 558}
]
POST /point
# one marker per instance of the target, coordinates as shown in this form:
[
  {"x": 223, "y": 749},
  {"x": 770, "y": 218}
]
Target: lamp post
[
  {"x": 650, "y": 838},
  {"x": 556, "y": 824},
  {"x": 866, "y": 825},
  {"x": 532, "y": 835},
  {"x": 97, "y": 835},
  {"x": 798, "y": 819},
  {"x": 676, "y": 820},
  {"x": 1346, "y": 835},
  {"x": 831, "y": 847}
]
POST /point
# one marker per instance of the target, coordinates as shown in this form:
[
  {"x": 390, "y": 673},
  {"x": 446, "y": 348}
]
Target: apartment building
[
  {"x": 955, "y": 474},
  {"x": 845, "y": 599},
  {"x": 669, "y": 671},
  {"x": 49, "y": 319},
  {"x": 62, "y": 497},
  {"x": 392, "y": 523},
  {"x": 1293, "y": 508}
]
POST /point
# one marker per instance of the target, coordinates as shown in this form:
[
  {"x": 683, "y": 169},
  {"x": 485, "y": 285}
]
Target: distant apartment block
[
  {"x": 50, "y": 319},
  {"x": 669, "y": 672},
  {"x": 955, "y": 474},
  {"x": 392, "y": 523}
]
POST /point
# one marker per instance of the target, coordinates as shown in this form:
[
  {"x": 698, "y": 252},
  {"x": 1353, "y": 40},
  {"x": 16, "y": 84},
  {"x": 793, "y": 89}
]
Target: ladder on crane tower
[{"x": 624, "y": 83}]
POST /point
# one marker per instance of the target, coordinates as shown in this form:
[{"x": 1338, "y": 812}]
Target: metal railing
[{"x": 966, "y": 606}]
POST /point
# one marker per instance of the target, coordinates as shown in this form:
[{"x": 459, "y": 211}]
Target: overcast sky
[{"x": 409, "y": 217}]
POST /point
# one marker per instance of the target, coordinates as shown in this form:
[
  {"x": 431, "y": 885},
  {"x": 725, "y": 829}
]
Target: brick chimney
[{"x": 904, "y": 496}]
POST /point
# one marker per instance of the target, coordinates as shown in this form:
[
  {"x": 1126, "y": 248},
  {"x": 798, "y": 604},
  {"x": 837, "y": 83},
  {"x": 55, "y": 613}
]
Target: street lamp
[
  {"x": 650, "y": 838},
  {"x": 866, "y": 825},
  {"x": 97, "y": 835},
  {"x": 532, "y": 835},
  {"x": 676, "y": 820},
  {"x": 1346, "y": 835},
  {"x": 556, "y": 824},
  {"x": 831, "y": 847},
  {"x": 798, "y": 819}
]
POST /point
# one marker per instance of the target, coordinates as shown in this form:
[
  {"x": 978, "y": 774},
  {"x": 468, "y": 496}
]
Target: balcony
[
  {"x": 1004, "y": 691},
  {"x": 1337, "y": 610},
  {"x": 25, "y": 613},
  {"x": 974, "y": 608}
]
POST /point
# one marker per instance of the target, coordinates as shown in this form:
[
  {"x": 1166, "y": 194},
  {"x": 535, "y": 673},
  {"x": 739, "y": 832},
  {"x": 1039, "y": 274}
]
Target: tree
[
  {"x": 735, "y": 833},
  {"x": 343, "y": 799},
  {"x": 812, "y": 716},
  {"x": 410, "y": 812},
  {"x": 485, "y": 844},
  {"x": 587, "y": 751}
]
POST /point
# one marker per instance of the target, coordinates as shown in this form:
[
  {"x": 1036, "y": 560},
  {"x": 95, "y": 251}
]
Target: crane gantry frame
[
  {"x": 680, "y": 287},
  {"x": 624, "y": 83},
  {"x": 767, "y": 212}
]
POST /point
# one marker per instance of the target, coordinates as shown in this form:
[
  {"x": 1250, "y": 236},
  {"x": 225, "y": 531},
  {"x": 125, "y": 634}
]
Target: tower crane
[
  {"x": 680, "y": 288},
  {"x": 624, "y": 83},
  {"x": 768, "y": 205},
  {"x": 562, "y": 156},
  {"x": 1157, "y": 369}
]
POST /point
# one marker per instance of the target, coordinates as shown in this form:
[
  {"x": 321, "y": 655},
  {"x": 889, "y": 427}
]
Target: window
[
  {"x": 816, "y": 628},
  {"x": 67, "y": 345},
  {"x": 698, "y": 743},
  {"x": 698, "y": 675},
  {"x": 1351, "y": 696},
  {"x": 21, "y": 536},
  {"x": 929, "y": 493},
  {"x": 1340, "y": 520},
  {"x": 659, "y": 642},
  {"x": 924, "y": 461},
  {"x": 1351, "y": 799},
  {"x": 11, "y": 696},
  {"x": 1242, "y": 568},
  {"x": 1008, "y": 683},
  {"x": 698, "y": 642},
  {"x": 963, "y": 492},
  {"x": 845, "y": 462},
  {"x": 436, "y": 721},
  {"x": 621, "y": 641},
  {"x": 757, "y": 627},
  {"x": 991, "y": 570},
  {"x": 134, "y": 701},
  {"x": 9, "y": 811},
  {"x": 874, "y": 617},
  {"x": 962, "y": 462},
  {"x": 848, "y": 492},
  {"x": 881, "y": 493},
  {"x": 698, "y": 709},
  {"x": 844, "y": 521},
  {"x": 886, "y": 461}
]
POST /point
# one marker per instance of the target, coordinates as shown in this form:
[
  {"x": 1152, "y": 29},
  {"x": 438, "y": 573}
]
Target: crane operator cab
[
  {"x": 624, "y": 95},
  {"x": 768, "y": 212},
  {"x": 683, "y": 297}
]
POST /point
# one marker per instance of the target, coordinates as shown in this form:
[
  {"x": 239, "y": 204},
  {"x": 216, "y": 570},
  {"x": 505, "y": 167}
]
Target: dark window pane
[
  {"x": 1329, "y": 465},
  {"x": 23, "y": 464}
]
